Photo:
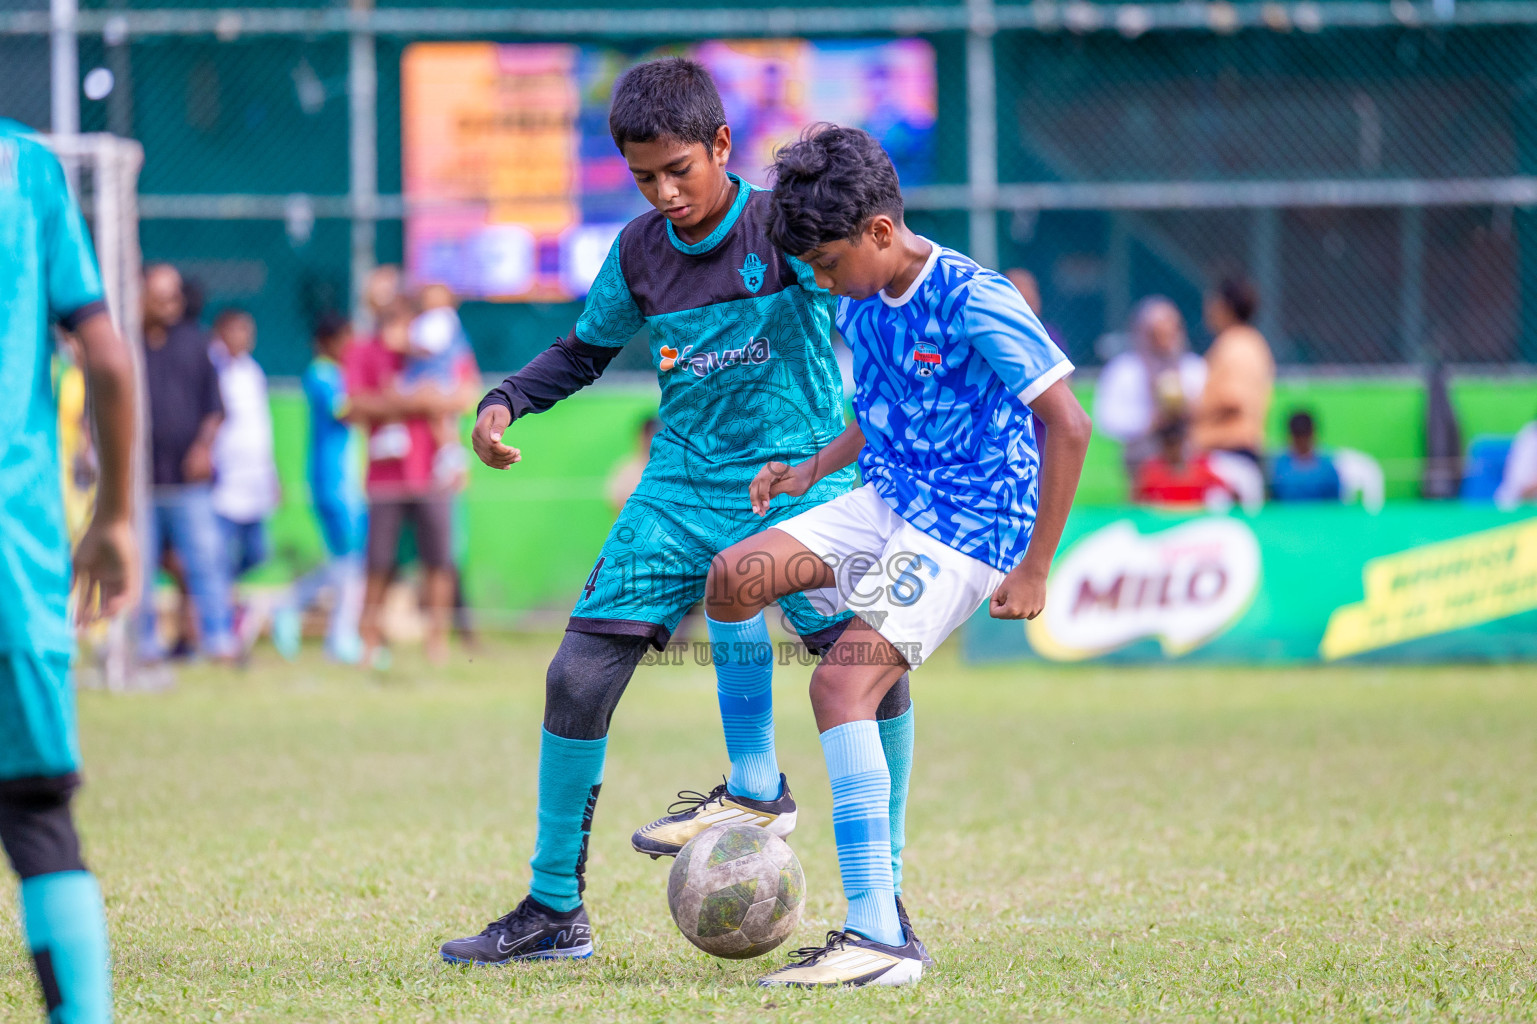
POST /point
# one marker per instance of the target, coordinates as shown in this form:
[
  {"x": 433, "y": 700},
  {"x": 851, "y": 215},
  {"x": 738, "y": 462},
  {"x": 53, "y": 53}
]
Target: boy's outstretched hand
[
  {"x": 1021, "y": 595},
  {"x": 487, "y": 438},
  {"x": 106, "y": 570},
  {"x": 779, "y": 478}
]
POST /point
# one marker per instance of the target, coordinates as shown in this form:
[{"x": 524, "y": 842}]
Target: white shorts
[{"x": 909, "y": 587}]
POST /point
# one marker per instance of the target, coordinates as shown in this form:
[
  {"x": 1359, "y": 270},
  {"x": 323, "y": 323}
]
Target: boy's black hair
[
  {"x": 1240, "y": 296},
  {"x": 229, "y": 313},
  {"x": 1172, "y": 430},
  {"x": 828, "y": 185},
  {"x": 1301, "y": 424},
  {"x": 668, "y": 98},
  {"x": 329, "y": 326}
]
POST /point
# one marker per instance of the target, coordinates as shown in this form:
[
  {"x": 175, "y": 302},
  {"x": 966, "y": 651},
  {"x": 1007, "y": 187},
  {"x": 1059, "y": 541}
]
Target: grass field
[{"x": 292, "y": 843}]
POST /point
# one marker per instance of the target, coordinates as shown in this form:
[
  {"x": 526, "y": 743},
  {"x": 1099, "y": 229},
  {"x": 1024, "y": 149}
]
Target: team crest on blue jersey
[
  {"x": 752, "y": 272},
  {"x": 925, "y": 358}
]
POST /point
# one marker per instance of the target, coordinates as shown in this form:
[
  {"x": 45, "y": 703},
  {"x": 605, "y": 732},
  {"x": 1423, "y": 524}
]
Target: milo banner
[{"x": 1417, "y": 582}]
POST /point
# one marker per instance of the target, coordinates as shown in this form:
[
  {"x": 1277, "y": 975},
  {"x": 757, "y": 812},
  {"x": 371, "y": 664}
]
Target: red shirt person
[
  {"x": 401, "y": 484},
  {"x": 1174, "y": 478}
]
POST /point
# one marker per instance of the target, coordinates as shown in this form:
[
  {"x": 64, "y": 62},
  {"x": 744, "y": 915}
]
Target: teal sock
[
  {"x": 861, "y": 800},
  {"x": 570, "y": 775},
  {"x": 66, "y": 928},
  {"x": 897, "y": 743},
  {"x": 744, "y": 686}
]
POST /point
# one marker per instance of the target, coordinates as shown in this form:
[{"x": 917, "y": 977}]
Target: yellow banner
[{"x": 1438, "y": 588}]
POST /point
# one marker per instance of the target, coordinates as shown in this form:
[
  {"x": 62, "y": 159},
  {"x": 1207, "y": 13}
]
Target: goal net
[{"x": 103, "y": 171}]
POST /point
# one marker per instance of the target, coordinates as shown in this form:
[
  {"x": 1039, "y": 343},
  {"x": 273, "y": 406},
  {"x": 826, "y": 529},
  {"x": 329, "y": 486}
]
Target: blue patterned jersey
[
  {"x": 741, "y": 337},
  {"x": 943, "y": 378}
]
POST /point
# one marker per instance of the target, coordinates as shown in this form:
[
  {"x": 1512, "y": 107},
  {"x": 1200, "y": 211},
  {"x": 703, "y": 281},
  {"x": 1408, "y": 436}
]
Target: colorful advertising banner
[
  {"x": 514, "y": 188},
  {"x": 1417, "y": 582}
]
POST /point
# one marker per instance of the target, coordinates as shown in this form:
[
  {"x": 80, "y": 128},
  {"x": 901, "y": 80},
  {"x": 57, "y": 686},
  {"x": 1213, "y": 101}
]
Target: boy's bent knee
[
  {"x": 741, "y": 583},
  {"x": 36, "y": 827},
  {"x": 585, "y": 680}
]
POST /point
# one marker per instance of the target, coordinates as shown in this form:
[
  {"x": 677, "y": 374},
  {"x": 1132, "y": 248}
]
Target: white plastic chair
[
  {"x": 1360, "y": 477},
  {"x": 1245, "y": 479}
]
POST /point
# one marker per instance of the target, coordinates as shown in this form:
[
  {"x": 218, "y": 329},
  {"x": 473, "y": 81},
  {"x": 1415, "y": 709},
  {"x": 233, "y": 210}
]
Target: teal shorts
[
  {"x": 653, "y": 566},
  {"x": 37, "y": 715}
]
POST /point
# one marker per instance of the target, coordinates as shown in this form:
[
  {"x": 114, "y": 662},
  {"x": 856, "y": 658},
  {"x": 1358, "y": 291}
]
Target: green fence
[{"x": 1370, "y": 164}]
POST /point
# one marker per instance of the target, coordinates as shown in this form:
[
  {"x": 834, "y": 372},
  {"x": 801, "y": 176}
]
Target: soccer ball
[{"x": 736, "y": 891}]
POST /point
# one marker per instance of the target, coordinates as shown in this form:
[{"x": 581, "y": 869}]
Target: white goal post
[{"x": 103, "y": 171}]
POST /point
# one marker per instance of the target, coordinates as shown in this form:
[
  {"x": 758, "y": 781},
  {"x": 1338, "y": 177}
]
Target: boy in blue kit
[
  {"x": 740, "y": 335},
  {"x": 50, "y": 275},
  {"x": 964, "y": 501}
]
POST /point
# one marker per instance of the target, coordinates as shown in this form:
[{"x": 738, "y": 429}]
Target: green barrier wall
[
  {"x": 1421, "y": 581},
  {"x": 532, "y": 532}
]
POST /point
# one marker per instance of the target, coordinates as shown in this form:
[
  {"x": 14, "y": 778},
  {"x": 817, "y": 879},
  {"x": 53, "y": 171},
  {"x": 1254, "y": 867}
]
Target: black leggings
[
  {"x": 36, "y": 828},
  {"x": 590, "y": 671}
]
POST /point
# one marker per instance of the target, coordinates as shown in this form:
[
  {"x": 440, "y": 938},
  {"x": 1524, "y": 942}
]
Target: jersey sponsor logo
[
  {"x": 925, "y": 358},
  {"x": 752, "y": 272},
  {"x": 755, "y": 353}
]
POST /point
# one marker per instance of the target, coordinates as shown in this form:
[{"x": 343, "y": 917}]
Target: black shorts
[{"x": 432, "y": 521}]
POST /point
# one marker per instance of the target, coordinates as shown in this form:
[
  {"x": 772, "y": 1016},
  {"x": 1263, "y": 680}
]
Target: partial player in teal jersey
[
  {"x": 741, "y": 339},
  {"x": 50, "y": 276}
]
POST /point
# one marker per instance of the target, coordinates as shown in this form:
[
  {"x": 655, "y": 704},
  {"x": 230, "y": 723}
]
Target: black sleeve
[{"x": 561, "y": 370}]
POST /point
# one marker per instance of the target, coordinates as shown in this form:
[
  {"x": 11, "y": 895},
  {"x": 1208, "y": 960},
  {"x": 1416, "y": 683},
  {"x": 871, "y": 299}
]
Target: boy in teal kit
[
  {"x": 50, "y": 274},
  {"x": 337, "y": 497},
  {"x": 740, "y": 336}
]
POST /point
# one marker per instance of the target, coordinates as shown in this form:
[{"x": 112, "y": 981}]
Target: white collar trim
[{"x": 912, "y": 289}]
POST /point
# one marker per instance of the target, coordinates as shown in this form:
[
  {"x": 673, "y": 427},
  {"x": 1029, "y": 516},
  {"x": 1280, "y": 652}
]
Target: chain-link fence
[
  {"x": 1355, "y": 173},
  {"x": 1369, "y": 165}
]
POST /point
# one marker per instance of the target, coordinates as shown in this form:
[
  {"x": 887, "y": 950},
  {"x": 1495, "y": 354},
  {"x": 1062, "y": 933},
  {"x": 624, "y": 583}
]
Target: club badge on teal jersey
[{"x": 752, "y": 272}]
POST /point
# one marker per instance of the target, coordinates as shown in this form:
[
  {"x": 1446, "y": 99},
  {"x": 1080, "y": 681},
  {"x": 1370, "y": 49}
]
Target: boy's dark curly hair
[{"x": 828, "y": 185}]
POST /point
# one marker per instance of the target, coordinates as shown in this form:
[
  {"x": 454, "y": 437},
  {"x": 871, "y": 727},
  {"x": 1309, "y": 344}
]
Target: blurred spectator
[
  {"x": 185, "y": 411},
  {"x": 1240, "y": 375},
  {"x": 1172, "y": 476},
  {"x": 338, "y": 504},
  {"x": 1153, "y": 384},
  {"x": 626, "y": 476},
  {"x": 438, "y": 346},
  {"x": 1519, "y": 483},
  {"x": 1030, "y": 290},
  {"x": 1301, "y": 473},
  {"x": 401, "y": 485},
  {"x": 245, "y": 489},
  {"x": 77, "y": 450}
]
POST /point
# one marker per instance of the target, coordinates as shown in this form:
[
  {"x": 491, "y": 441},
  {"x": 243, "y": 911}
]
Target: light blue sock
[
  {"x": 897, "y": 744},
  {"x": 744, "y": 685},
  {"x": 66, "y": 930},
  {"x": 861, "y": 800},
  {"x": 570, "y": 775}
]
